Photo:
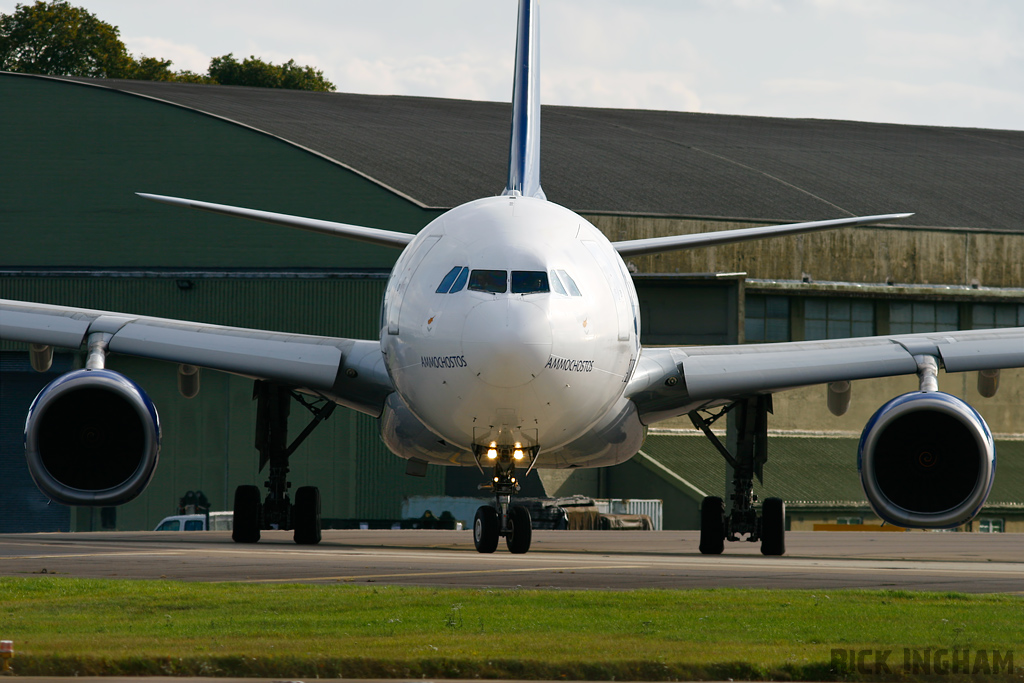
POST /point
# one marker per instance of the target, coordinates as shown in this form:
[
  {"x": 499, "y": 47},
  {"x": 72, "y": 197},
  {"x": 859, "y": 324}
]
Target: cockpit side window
[
  {"x": 556, "y": 285},
  {"x": 460, "y": 281},
  {"x": 454, "y": 281},
  {"x": 569, "y": 283},
  {"x": 446, "y": 283},
  {"x": 529, "y": 281},
  {"x": 494, "y": 281}
]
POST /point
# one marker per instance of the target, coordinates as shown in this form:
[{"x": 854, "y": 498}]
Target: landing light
[
  {"x": 492, "y": 453},
  {"x": 517, "y": 454}
]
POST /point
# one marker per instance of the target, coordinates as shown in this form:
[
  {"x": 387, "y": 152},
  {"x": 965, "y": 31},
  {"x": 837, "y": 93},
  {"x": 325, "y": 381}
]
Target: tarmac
[{"x": 564, "y": 560}]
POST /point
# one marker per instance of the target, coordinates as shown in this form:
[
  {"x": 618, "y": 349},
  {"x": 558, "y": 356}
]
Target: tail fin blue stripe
[{"x": 524, "y": 149}]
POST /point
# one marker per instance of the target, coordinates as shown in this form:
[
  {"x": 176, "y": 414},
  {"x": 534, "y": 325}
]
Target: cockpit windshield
[
  {"x": 494, "y": 281},
  {"x": 529, "y": 281},
  {"x": 497, "y": 281}
]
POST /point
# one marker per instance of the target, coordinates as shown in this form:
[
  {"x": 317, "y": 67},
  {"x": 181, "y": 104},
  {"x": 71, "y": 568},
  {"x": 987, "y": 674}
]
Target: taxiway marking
[{"x": 463, "y": 572}]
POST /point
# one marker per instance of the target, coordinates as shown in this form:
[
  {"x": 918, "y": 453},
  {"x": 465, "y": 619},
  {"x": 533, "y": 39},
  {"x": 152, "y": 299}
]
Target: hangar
[{"x": 73, "y": 232}]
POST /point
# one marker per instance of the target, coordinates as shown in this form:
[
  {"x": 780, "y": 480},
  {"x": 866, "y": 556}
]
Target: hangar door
[
  {"x": 22, "y": 507},
  {"x": 682, "y": 310}
]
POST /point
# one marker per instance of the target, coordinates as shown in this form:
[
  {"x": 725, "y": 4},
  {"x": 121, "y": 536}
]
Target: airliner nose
[{"x": 507, "y": 341}]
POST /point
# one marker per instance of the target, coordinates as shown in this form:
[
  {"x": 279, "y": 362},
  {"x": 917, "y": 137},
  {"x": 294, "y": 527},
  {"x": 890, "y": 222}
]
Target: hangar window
[
  {"x": 454, "y": 281},
  {"x": 767, "y": 318},
  {"x": 570, "y": 284},
  {"x": 906, "y": 317},
  {"x": 990, "y": 525},
  {"x": 529, "y": 281},
  {"x": 986, "y": 316},
  {"x": 838, "y": 318},
  {"x": 493, "y": 281}
]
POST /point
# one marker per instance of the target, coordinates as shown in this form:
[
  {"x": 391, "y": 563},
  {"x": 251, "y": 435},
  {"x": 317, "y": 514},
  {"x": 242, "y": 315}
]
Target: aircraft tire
[
  {"x": 485, "y": 529},
  {"x": 712, "y": 526},
  {"x": 518, "y": 541},
  {"x": 773, "y": 527},
  {"x": 306, "y": 515},
  {"x": 245, "y": 525}
]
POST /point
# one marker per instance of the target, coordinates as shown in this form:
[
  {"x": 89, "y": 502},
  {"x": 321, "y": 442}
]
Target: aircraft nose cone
[{"x": 507, "y": 342}]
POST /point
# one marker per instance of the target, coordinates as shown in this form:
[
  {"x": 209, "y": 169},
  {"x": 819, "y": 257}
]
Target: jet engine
[
  {"x": 926, "y": 460},
  {"x": 92, "y": 437}
]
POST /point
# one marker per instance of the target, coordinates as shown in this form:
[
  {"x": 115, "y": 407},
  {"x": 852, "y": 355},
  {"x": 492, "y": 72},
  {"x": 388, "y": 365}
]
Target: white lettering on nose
[{"x": 507, "y": 342}]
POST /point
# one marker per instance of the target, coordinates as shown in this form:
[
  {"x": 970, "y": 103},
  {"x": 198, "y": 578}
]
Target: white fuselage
[{"x": 515, "y": 351}]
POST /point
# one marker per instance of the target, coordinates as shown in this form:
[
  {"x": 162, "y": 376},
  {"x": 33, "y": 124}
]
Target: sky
[{"x": 932, "y": 62}]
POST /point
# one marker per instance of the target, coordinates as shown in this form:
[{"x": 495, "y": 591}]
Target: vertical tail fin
[{"x": 524, "y": 150}]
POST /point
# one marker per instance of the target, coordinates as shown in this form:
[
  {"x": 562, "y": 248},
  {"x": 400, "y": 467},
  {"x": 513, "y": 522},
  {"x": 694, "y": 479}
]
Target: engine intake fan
[
  {"x": 926, "y": 460},
  {"x": 92, "y": 437}
]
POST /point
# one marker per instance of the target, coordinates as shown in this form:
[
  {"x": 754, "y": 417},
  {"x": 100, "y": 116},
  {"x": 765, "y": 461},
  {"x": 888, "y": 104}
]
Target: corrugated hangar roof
[{"x": 442, "y": 153}]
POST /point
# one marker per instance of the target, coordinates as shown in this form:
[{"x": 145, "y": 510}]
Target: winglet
[{"x": 524, "y": 149}]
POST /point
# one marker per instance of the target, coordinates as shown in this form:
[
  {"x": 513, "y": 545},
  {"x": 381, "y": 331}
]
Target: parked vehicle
[{"x": 213, "y": 521}]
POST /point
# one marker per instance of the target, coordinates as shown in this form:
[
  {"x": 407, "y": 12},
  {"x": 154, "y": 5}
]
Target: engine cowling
[
  {"x": 92, "y": 437},
  {"x": 926, "y": 460}
]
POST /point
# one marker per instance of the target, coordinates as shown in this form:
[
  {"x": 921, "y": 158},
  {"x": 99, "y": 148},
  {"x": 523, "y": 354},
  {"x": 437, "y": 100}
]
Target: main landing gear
[
  {"x": 503, "y": 519},
  {"x": 768, "y": 526},
  {"x": 277, "y": 511}
]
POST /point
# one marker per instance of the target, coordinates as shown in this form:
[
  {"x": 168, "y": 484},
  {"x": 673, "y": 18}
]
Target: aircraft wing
[
  {"x": 350, "y": 372},
  {"x": 672, "y": 381},
  {"x": 654, "y": 245}
]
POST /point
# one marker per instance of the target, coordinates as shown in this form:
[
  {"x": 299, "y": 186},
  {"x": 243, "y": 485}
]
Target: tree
[
  {"x": 154, "y": 69},
  {"x": 151, "y": 69},
  {"x": 254, "y": 72},
  {"x": 57, "y": 39}
]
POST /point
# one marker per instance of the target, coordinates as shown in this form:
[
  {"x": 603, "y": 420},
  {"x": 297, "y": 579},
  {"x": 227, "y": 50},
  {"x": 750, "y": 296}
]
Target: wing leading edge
[
  {"x": 348, "y": 371},
  {"x": 669, "y": 382}
]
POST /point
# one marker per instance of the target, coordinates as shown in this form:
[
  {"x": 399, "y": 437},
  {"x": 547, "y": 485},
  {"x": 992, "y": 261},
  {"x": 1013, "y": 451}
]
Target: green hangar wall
[
  {"x": 73, "y": 233},
  {"x": 73, "y": 156}
]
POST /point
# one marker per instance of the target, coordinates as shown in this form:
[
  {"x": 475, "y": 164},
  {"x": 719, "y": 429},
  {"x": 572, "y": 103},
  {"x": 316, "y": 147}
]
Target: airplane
[{"x": 510, "y": 340}]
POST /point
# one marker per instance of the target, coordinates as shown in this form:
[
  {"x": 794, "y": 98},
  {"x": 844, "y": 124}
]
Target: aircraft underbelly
[{"x": 614, "y": 438}]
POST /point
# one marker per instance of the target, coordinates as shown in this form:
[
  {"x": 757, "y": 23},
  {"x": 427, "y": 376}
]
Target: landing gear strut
[
  {"x": 277, "y": 511},
  {"x": 503, "y": 519},
  {"x": 768, "y": 525}
]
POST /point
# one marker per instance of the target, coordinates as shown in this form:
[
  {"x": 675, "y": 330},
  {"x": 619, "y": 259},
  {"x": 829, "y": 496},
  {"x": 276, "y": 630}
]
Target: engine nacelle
[
  {"x": 92, "y": 437},
  {"x": 926, "y": 460}
]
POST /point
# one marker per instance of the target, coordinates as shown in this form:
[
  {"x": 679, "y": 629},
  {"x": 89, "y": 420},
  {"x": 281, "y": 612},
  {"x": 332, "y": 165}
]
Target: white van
[{"x": 218, "y": 521}]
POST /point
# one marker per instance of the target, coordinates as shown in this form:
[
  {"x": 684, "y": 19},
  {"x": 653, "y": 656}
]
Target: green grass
[{"x": 75, "y": 626}]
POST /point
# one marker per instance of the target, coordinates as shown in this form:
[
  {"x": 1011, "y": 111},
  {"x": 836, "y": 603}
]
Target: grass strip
[{"x": 83, "y": 627}]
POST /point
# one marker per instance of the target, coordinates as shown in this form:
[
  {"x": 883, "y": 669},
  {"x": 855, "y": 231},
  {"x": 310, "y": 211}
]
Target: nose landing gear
[{"x": 503, "y": 519}]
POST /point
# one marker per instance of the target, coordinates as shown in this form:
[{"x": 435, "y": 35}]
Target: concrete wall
[
  {"x": 876, "y": 255},
  {"x": 805, "y": 409}
]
